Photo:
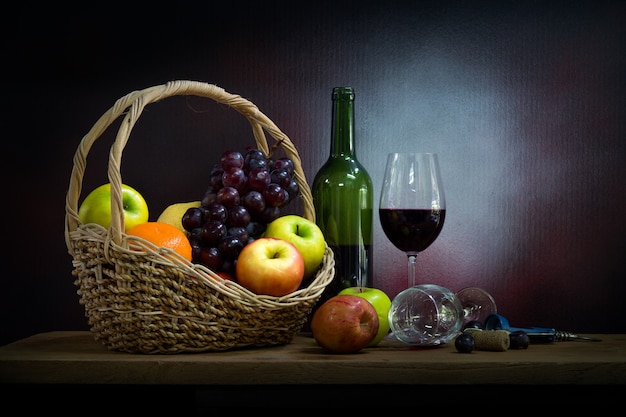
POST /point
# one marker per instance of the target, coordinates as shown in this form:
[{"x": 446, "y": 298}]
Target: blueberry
[
  {"x": 464, "y": 343},
  {"x": 518, "y": 340}
]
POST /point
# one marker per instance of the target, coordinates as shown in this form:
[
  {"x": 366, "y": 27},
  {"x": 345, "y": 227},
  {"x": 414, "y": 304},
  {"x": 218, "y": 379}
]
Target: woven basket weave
[{"x": 142, "y": 299}]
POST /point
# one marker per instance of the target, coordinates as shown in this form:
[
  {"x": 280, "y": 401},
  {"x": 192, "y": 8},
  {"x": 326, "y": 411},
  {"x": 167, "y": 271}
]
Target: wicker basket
[{"x": 142, "y": 299}]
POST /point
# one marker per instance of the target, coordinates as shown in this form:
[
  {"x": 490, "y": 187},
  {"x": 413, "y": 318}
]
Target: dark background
[{"x": 523, "y": 101}]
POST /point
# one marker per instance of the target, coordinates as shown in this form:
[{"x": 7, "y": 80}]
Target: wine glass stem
[{"x": 411, "y": 273}]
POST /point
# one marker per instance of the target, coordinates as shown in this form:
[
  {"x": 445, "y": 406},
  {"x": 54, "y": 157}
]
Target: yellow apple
[
  {"x": 96, "y": 207},
  {"x": 270, "y": 266}
]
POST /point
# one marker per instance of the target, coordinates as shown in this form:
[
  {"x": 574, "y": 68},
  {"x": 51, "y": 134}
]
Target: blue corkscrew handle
[{"x": 535, "y": 334}]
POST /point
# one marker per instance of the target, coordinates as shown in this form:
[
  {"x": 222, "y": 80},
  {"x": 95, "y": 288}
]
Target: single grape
[
  {"x": 464, "y": 343},
  {"x": 275, "y": 195},
  {"x": 284, "y": 163},
  {"x": 230, "y": 246},
  {"x": 518, "y": 340},
  {"x": 215, "y": 178},
  {"x": 280, "y": 177},
  {"x": 234, "y": 177},
  {"x": 238, "y": 216},
  {"x": 216, "y": 211},
  {"x": 211, "y": 257},
  {"x": 258, "y": 178},
  {"x": 258, "y": 163},
  {"x": 212, "y": 232},
  {"x": 254, "y": 202},
  {"x": 208, "y": 198},
  {"x": 228, "y": 197},
  {"x": 240, "y": 232},
  {"x": 255, "y": 229},
  {"x": 231, "y": 159},
  {"x": 195, "y": 235},
  {"x": 252, "y": 153},
  {"x": 293, "y": 189},
  {"x": 193, "y": 218}
]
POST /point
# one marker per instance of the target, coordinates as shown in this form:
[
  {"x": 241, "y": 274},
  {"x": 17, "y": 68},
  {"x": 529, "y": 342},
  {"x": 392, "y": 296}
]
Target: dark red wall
[{"x": 523, "y": 103}]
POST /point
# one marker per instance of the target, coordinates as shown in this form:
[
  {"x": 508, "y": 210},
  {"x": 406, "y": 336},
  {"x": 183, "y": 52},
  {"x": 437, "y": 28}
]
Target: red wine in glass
[{"x": 411, "y": 230}]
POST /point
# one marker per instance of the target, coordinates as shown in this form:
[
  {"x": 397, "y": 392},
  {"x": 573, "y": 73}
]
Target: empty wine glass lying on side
[
  {"x": 425, "y": 315},
  {"x": 431, "y": 315}
]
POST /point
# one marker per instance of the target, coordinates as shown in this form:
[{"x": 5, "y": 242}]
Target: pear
[{"x": 173, "y": 214}]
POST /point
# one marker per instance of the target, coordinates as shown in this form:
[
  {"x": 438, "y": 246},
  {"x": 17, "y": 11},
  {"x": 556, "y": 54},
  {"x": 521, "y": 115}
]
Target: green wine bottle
[{"x": 343, "y": 198}]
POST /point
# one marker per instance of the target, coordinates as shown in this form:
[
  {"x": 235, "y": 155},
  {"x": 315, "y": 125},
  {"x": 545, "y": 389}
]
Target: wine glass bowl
[
  {"x": 477, "y": 304},
  {"x": 412, "y": 206},
  {"x": 425, "y": 315}
]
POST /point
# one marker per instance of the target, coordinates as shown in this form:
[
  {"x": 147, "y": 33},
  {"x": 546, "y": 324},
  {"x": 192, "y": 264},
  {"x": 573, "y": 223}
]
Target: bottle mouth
[{"x": 343, "y": 93}]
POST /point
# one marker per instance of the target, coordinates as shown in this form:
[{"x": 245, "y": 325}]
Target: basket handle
[{"x": 133, "y": 104}]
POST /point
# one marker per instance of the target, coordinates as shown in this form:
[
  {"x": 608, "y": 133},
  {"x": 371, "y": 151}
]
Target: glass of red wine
[{"x": 412, "y": 206}]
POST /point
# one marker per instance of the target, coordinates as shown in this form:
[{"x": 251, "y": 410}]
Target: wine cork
[{"x": 495, "y": 340}]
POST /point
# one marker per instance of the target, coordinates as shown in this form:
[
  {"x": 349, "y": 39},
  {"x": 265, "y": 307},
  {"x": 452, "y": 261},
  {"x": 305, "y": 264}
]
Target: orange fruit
[{"x": 163, "y": 235}]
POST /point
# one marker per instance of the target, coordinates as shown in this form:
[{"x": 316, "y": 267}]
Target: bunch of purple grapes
[{"x": 246, "y": 192}]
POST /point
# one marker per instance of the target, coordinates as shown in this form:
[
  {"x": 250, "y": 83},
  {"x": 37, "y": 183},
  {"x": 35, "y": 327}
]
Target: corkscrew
[{"x": 535, "y": 334}]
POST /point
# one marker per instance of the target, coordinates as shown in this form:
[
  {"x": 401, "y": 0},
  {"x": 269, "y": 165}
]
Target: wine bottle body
[{"x": 343, "y": 196}]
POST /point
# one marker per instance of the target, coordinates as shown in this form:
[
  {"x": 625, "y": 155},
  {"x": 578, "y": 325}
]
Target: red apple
[
  {"x": 270, "y": 266},
  {"x": 345, "y": 323},
  {"x": 381, "y": 302}
]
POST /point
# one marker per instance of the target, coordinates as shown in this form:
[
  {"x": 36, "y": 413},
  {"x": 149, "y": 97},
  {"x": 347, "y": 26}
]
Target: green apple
[
  {"x": 96, "y": 207},
  {"x": 305, "y": 235},
  {"x": 382, "y": 304}
]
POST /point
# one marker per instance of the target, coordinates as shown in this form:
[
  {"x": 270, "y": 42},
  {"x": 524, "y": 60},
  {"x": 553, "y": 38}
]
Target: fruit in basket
[
  {"x": 270, "y": 266},
  {"x": 163, "y": 235},
  {"x": 344, "y": 323},
  {"x": 173, "y": 214},
  {"x": 96, "y": 207},
  {"x": 225, "y": 275},
  {"x": 305, "y": 235},
  {"x": 381, "y": 302},
  {"x": 246, "y": 192}
]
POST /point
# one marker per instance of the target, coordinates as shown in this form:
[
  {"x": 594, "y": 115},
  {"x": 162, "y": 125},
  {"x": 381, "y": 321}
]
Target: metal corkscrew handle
[
  {"x": 565, "y": 336},
  {"x": 535, "y": 334}
]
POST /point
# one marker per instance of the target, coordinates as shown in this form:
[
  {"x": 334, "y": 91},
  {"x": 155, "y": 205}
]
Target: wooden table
[{"x": 73, "y": 359}]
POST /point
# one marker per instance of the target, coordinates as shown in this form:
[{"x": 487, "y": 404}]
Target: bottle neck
[{"x": 342, "y": 123}]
